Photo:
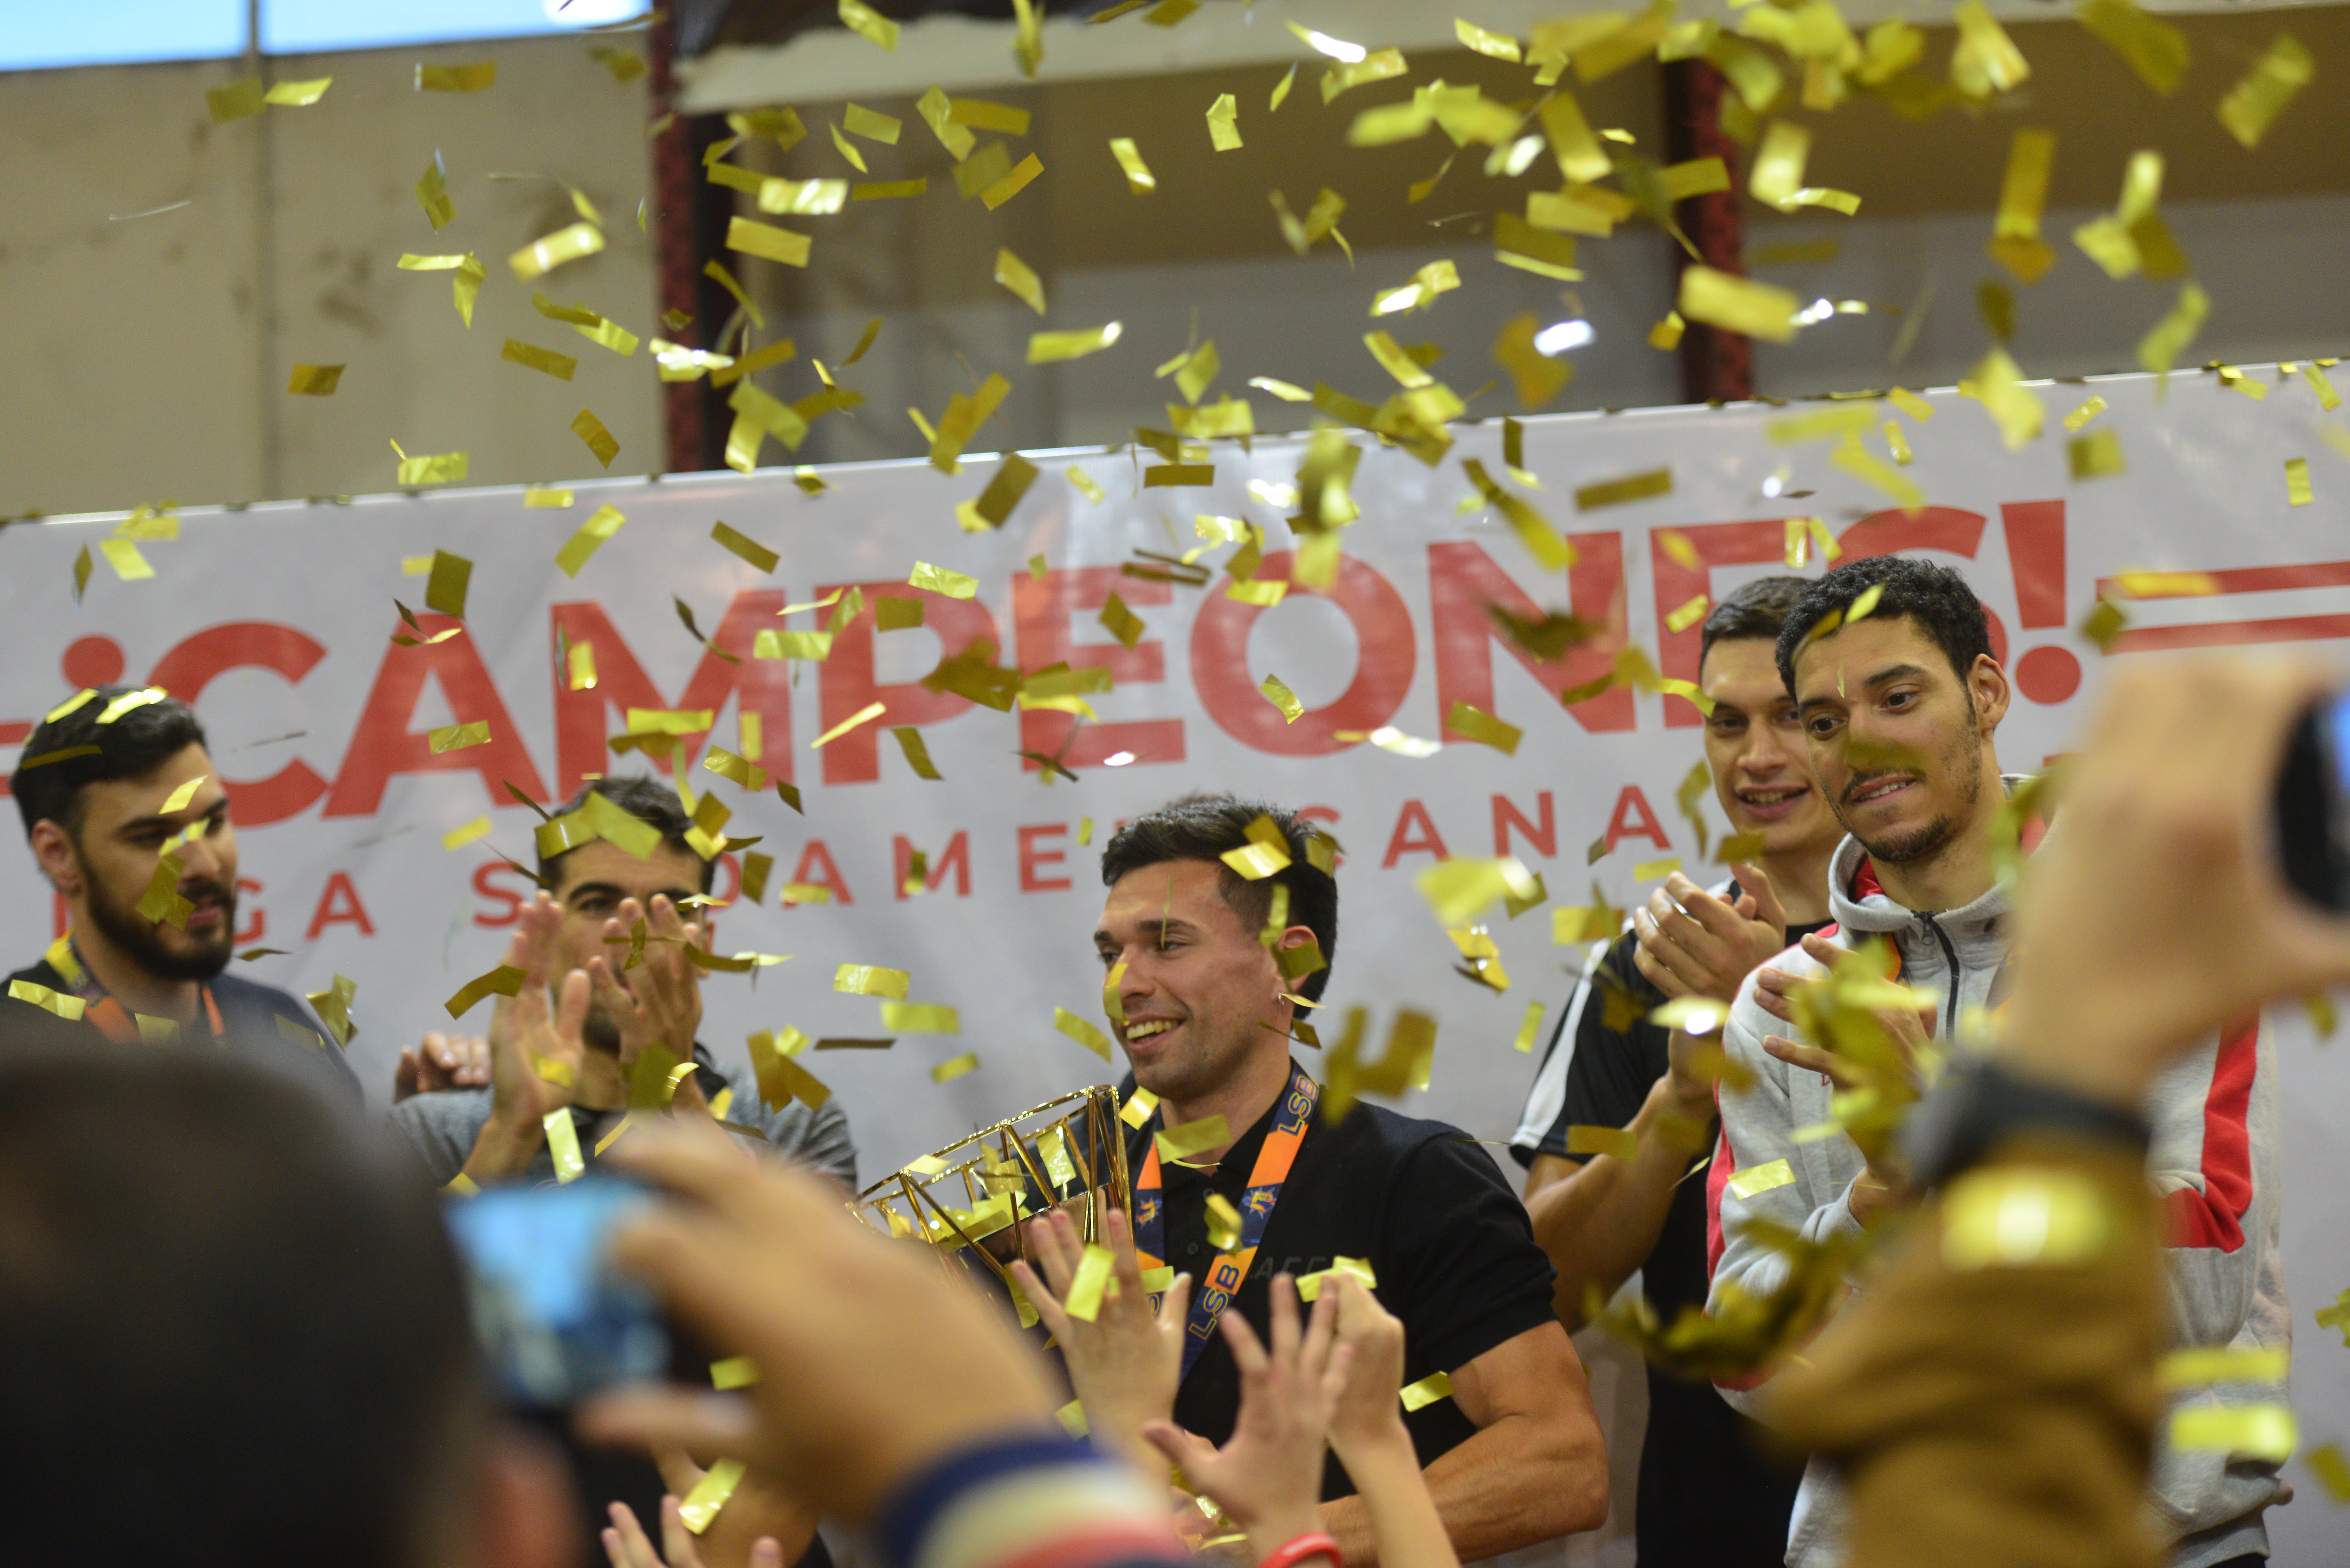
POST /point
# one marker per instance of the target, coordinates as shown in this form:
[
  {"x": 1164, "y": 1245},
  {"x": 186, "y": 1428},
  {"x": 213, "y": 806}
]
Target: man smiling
[
  {"x": 1900, "y": 705},
  {"x": 116, "y": 786},
  {"x": 1206, "y": 1015},
  {"x": 1709, "y": 1496}
]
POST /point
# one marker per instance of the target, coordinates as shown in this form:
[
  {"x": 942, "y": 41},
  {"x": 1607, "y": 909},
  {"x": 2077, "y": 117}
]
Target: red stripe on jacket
[
  {"x": 1717, "y": 1181},
  {"x": 2214, "y": 1215}
]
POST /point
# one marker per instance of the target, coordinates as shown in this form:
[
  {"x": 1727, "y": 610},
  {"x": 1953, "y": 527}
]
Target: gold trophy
[{"x": 1067, "y": 1153}]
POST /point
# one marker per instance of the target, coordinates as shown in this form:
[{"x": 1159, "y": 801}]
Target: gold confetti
[
  {"x": 1497, "y": 45},
  {"x": 1667, "y": 334},
  {"x": 1139, "y": 180},
  {"x": 543, "y": 255},
  {"x": 2169, "y": 336},
  {"x": 477, "y": 77},
  {"x": 436, "y": 468},
  {"x": 920, "y": 1018},
  {"x": 1181, "y": 1142},
  {"x": 1738, "y": 305},
  {"x": 1436, "y": 1385},
  {"x": 869, "y": 24},
  {"x": 947, "y": 1072},
  {"x": 871, "y": 979},
  {"x": 70, "y": 1008},
  {"x": 1223, "y": 123},
  {"x": 1012, "y": 185},
  {"x": 1282, "y": 698},
  {"x": 939, "y": 580},
  {"x": 1082, "y": 1031},
  {"x": 1472, "y": 723},
  {"x": 1537, "y": 377},
  {"x": 1757, "y": 1179},
  {"x": 235, "y": 101},
  {"x": 625, "y": 65},
  {"x": 1020, "y": 278},
  {"x": 1121, "y": 622},
  {"x": 1088, "y": 1283},
  {"x": 432, "y": 195},
  {"x": 1633, "y": 487},
  {"x": 2260, "y": 1431},
  {"x": 994, "y": 504},
  {"x": 2155, "y": 49},
  {"x": 467, "y": 284},
  {"x": 2097, "y": 455},
  {"x": 2085, "y": 414},
  {"x": 871, "y": 710},
  {"x": 892, "y": 614},
  {"x": 918, "y": 754},
  {"x": 545, "y": 360},
  {"x": 457, "y": 737},
  {"x": 750, "y": 549},
  {"x": 1050, "y": 347},
  {"x": 1309, "y": 1286},
  {"x": 2019, "y": 1216},
  {"x": 316, "y": 380},
  {"x": 1519, "y": 243},
  {"x": 604, "y": 523},
  {"x": 716, "y": 272},
  {"x": 504, "y": 981},
  {"x": 1998, "y": 384},
  {"x": 127, "y": 703},
  {"x": 2276, "y": 78},
  {"x": 563, "y": 1145},
  {"x": 871, "y": 125},
  {"x": 768, "y": 241},
  {"x": 2296, "y": 481},
  {"x": 2202, "y": 1365},
  {"x": 601, "y": 441},
  {"x": 2015, "y": 241},
  {"x": 1986, "y": 59}
]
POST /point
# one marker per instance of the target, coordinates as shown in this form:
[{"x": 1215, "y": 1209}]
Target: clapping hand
[
  {"x": 1268, "y": 1477},
  {"x": 1126, "y": 1363}
]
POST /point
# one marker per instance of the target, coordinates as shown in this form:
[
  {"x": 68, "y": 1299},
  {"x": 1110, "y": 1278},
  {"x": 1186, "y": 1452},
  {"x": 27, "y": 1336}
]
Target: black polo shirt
[
  {"x": 1454, "y": 1253},
  {"x": 1709, "y": 1495}
]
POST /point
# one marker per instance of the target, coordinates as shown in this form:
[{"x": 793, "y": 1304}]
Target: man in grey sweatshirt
[
  {"x": 1898, "y": 706},
  {"x": 606, "y": 979}
]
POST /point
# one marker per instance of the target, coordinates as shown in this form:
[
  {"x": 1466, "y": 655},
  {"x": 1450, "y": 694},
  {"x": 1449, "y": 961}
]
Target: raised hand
[
  {"x": 537, "y": 1046},
  {"x": 872, "y": 1363},
  {"x": 1694, "y": 944},
  {"x": 627, "y": 1547},
  {"x": 1268, "y": 1477},
  {"x": 442, "y": 1062},
  {"x": 1125, "y": 1364},
  {"x": 659, "y": 1003}
]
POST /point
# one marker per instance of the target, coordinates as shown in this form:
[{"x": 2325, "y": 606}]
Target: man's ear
[
  {"x": 53, "y": 847},
  {"x": 1986, "y": 683},
  {"x": 525, "y": 1512}
]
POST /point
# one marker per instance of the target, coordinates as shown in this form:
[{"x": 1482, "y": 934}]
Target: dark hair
[
  {"x": 1203, "y": 827},
  {"x": 236, "y": 1330},
  {"x": 1757, "y": 609},
  {"x": 1937, "y": 598},
  {"x": 646, "y": 799},
  {"x": 138, "y": 741}
]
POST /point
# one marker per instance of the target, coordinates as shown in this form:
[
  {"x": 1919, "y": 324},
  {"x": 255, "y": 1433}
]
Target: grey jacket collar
[{"x": 1977, "y": 932}]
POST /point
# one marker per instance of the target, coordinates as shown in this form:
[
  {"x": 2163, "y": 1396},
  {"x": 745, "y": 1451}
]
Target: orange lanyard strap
[
  {"x": 100, "y": 1010},
  {"x": 1291, "y": 1118}
]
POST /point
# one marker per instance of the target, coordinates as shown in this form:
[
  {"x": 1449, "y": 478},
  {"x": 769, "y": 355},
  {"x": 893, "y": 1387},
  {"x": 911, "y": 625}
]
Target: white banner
[{"x": 277, "y": 622}]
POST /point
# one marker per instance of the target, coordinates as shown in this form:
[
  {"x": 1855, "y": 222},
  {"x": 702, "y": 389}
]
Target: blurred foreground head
[{"x": 234, "y": 1329}]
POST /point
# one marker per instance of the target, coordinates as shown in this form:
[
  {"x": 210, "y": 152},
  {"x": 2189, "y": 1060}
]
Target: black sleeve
[
  {"x": 1463, "y": 1270},
  {"x": 1599, "y": 1075}
]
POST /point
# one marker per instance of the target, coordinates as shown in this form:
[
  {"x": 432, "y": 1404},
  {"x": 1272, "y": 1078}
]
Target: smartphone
[
  {"x": 2313, "y": 806},
  {"x": 555, "y": 1321}
]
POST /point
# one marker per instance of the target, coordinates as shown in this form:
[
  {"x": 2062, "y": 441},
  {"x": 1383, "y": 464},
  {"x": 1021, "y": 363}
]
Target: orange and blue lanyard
[
  {"x": 1291, "y": 1118},
  {"x": 100, "y": 1010}
]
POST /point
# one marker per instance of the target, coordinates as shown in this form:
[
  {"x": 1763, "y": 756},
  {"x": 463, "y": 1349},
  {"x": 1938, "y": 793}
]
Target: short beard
[
  {"x": 136, "y": 937},
  {"x": 1962, "y": 761}
]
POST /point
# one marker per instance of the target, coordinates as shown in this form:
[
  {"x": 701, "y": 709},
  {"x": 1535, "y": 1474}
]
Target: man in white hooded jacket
[{"x": 1898, "y": 707}]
